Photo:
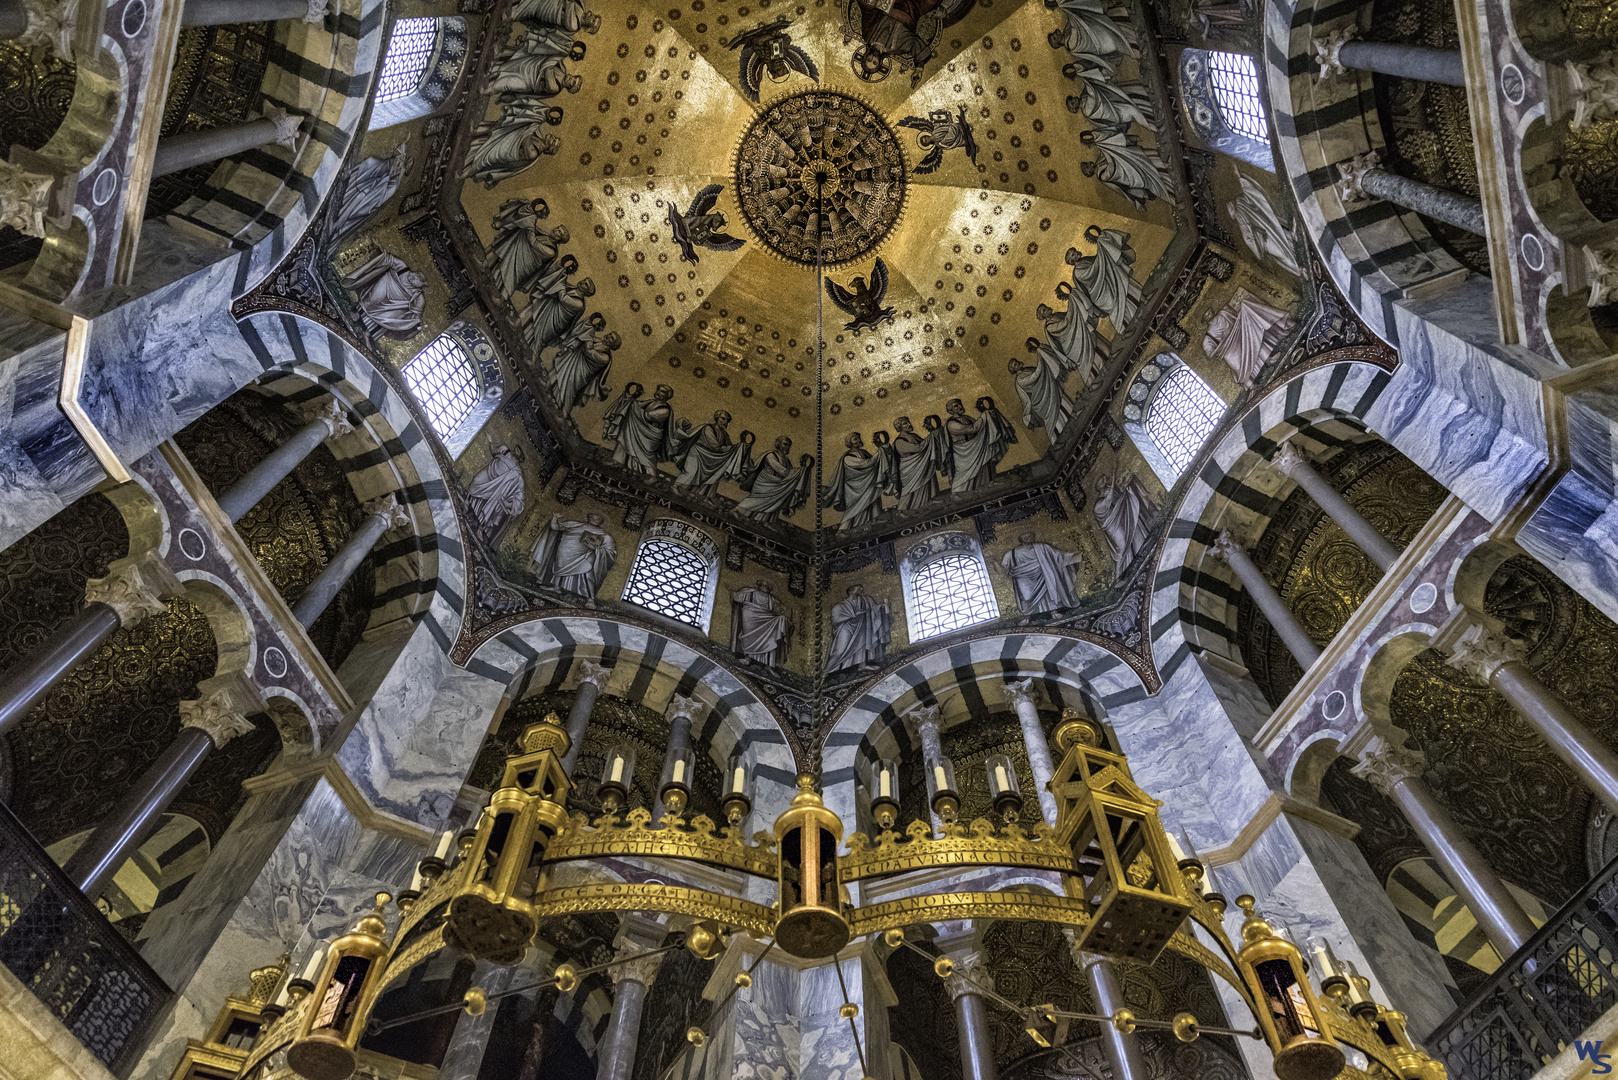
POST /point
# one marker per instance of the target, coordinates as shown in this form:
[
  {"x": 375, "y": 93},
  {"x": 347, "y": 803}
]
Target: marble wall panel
[{"x": 1574, "y": 531}]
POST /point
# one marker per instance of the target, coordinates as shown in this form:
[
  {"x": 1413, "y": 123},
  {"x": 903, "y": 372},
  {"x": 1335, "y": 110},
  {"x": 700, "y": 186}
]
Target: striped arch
[
  {"x": 963, "y": 681},
  {"x": 1376, "y": 251},
  {"x": 419, "y": 577},
  {"x": 324, "y": 72},
  {"x": 546, "y": 654},
  {"x": 1235, "y": 488}
]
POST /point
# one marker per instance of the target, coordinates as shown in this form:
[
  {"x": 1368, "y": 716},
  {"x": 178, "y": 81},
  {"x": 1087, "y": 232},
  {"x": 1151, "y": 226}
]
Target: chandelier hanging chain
[
  {"x": 817, "y": 568},
  {"x": 850, "y": 1011}
]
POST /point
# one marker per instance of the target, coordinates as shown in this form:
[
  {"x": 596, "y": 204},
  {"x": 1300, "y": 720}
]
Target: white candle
[
  {"x": 417, "y": 880},
  {"x": 1174, "y": 846},
  {"x": 444, "y": 843},
  {"x": 284, "y": 998},
  {"x": 312, "y": 968},
  {"x": 938, "y": 778},
  {"x": 617, "y": 770},
  {"x": 1000, "y": 779},
  {"x": 739, "y": 780},
  {"x": 679, "y": 770},
  {"x": 885, "y": 787}
]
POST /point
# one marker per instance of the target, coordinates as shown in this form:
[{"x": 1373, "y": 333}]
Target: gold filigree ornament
[
  {"x": 978, "y": 844},
  {"x": 697, "y": 838}
]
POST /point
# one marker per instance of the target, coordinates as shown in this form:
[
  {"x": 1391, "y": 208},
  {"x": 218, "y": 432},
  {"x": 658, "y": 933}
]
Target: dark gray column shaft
[
  {"x": 247, "y": 492},
  {"x": 1584, "y": 751},
  {"x": 1337, "y": 508},
  {"x": 230, "y": 12},
  {"x": 26, "y": 684},
  {"x": 578, "y": 720},
  {"x": 615, "y": 1057},
  {"x": 1461, "y": 211},
  {"x": 323, "y": 590},
  {"x": 1269, "y": 601},
  {"x": 1123, "y": 1052},
  {"x": 177, "y": 152},
  {"x": 1405, "y": 61},
  {"x": 977, "y": 1047},
  {"x": 134, "y": 817},
  {"x": 13, "y": 19}
]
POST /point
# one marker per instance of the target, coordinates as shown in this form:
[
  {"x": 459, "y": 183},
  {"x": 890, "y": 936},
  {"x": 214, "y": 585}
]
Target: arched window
[
  {"x": 946, "y": 586},
  {"x": 424, "y": 61},
  {"x": 1222, "y": 98},
  {"x": 1169, "y": 413},
  {"x": 676, "y": 570},
  {"x": 456, "y": 380}
]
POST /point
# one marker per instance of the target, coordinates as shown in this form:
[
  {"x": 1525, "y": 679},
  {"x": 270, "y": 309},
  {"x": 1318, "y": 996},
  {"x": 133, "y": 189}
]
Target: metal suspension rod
[{"x": 859, "y": 1047}]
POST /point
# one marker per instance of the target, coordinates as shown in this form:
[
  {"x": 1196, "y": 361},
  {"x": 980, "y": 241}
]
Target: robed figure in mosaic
[
  {"x": 556, "y": 305},
  {"x": 583, "y": 361},
  {"x": 390, "y": 297},
  {"x": 760, "y": 628},
  {"x": 861, "y": 629},
  {"x": 503, "y": 147},
  {"x": 1102, "y": 99},
  {"x": 574, "y": 556},
  {"x": 857, "y": 484},
  {"x": 522, "y": 252},
  {"x": 976, "y": 446},
  {"x": 1261, "y": 227},
  {"x": 775, "y": 488},
  {"x": 640, "y": 430},
  {"x": 1244, "y": 333},
  {"x": 495, "y": 495},
  {"x": 1040, "y": 389},
  {"x": 707, "y": 456},
  {"x": 1092, "y": 26},
  {"x": 1122, "y": 508},
  {"x": 917, "y": 460},
  {"x": 1041, "y": 575},
  {"x": 1106, "y": 280},
  {"x": 1124, "y": 165}
]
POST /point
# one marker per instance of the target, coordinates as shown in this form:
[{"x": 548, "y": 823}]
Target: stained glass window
[
  {"x": 444, "y": 382},
  {"x": 670, "y": 579},
  {"x": 948, "y": 594},
  {"x": 1235, "y": 85},
  {"x": 409, "y": 49},
  {"x": 1184, "y": 412}
]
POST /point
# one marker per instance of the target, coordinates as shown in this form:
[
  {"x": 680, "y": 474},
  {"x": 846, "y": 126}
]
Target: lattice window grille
[
  {"x": 670, "y": 579},
  {"x": 1184, "y": 412},
  {"x": 444, "y": 382},
  {"x": 1235, "y": 86},
  {"x": 409, "y": 49},
  {"x": 950, "y": 593}
]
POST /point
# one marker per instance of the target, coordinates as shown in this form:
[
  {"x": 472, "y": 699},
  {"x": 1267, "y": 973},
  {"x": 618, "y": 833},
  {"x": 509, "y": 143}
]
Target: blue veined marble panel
[{"x": 1574, "y": 531}]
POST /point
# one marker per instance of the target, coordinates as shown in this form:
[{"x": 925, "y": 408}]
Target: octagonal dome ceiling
[{"x": 641, "y": 190}]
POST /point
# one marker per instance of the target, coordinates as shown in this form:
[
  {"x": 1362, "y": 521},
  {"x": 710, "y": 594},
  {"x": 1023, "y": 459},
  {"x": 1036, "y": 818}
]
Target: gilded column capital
[
  {"x": 689, "y": 708},
  {"x": 588, "y": 671},
  {"x": 1352, "y": 175},
  {"x": 1329, "y": 50},
  {"x": 1595, "y": 92},
  {"x": 1227, "y": 548},
  {"x": 926, "y": 716},
  {"x": 1480, "y": 652},
  {"x": 224, "y": 707},
  {"x": 971, "y": 974},
  {"x": 1289, "y": 461},
  {"x": 286, "y": 126},
  {"x": 1385, "y": 766},
  {"x": 136, "y": 587},
  {"x": 1020, "y": 692},
  {"x": 1601, "y": 266},
  {"x": 319, "y": 9},
  {"x": 387, "y": 508},
  {"x": 639, "y": 967},
  {"x": 334, "y": 416},
  {"x": 25, "y": 196}
]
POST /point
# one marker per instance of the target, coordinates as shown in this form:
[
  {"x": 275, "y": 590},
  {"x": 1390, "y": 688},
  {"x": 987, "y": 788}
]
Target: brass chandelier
[{"x": 1127, "y": 895}]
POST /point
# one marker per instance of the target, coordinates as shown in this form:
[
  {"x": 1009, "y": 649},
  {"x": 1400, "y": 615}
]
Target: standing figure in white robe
[
  {"x": 583, "y": 359},
  {"x": 536, "y": 65},
  {"x": 1093, "y": 26},
  {"x": 574, "y": 556},
  {"x": 1072, "y": 333},
  {"x": 917, "y": 461},
  {"x": 976, "y": 446},
  {"x": 861, "y": 630},
  {"x": 708, "y": 456},
  {"x": 760, "y": 628},
  {"x": 1103, "y": 100},
  {"x": 775, "y": 488},
  {"x": 1107, "y": 278},
  {"x": 1043, "y": 395},
  {"x": 1244, "y": 333},
  {"x": 1126, "y": 166},
  {"x": 371, "y": 184},
  {"x": 1261, "y": 229},
  {"x": 522, "y": 252},
  {"x": 640, "y": 430},
  {"x": 503, "y": 147},
  {"x": 1122, "y": 507},
  {"x": 495, "y": 496},
  {"x": 556, "y": 305},
  {"x": 390, "y": 297},
  {"x": 1041, "y": 576},
  {"x": 568, "y": 15},
  {"x": 856, "y": 486}
]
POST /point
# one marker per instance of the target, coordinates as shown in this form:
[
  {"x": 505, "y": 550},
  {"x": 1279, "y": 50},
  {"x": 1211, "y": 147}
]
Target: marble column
[
  {"x": 1497, "y": 663},
  {"x": 230, "y": 12},
  {"x": 1269, "y": 601},
  {"x": 1396, "y": 772},
  {"x": 192, "y": 148},
  {"x": 537, "y": 1047},
  {"x": 436, "y": 1044},
  {"x": 332, "y": 419},
  {"x": 385, "y": 514},
  {"x": 1362, "y": 532},
  {"x": 464, "y": 1056},
  {"x": 1122, "y": 1050},
  {"x": 135, "y": 588},
  {"x": 206, "y": 725},
  {"x": 592, "y": 680},
  {"x": 1021, "y": 696},
  {"x": 681, "y": 711},
  {"x": 932, "y": 748},
  {"x": 615, "y": 1054},
  {"x": 971, "y": 1011},
  {"x": 1363, "y": 179},
  {"x": 1340, "y": 52}
]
